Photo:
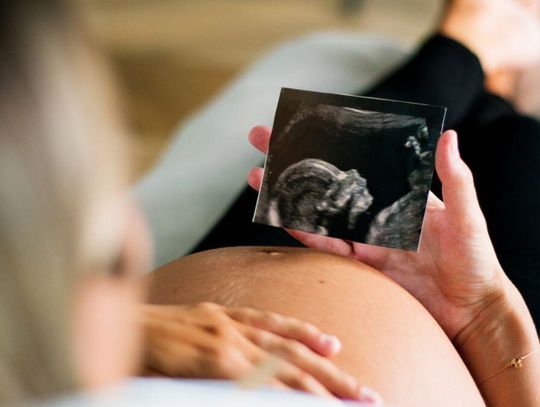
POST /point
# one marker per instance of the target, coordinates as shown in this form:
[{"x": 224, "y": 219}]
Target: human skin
[{"x": 390, "y": 342}]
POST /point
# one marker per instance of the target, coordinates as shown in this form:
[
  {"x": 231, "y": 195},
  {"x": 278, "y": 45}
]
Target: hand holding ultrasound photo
[{"x": 354, "y": 168}]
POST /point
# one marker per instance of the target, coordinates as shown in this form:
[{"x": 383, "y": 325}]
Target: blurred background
[{"x": 173, "y": 56}]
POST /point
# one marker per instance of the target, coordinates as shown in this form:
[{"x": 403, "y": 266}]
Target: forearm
[{"x": 505, "y": 332}]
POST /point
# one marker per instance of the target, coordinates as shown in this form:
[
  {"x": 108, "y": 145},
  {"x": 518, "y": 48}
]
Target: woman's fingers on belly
[
  {"x": 287, "y": 327},
  {"x": 271, "y": 368},
  {"x": 297, "y": 379},
  {"x": 310, "y": 365}
]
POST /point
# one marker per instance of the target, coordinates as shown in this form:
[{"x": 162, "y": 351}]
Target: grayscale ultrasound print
[{"x": 350, "y": 167}]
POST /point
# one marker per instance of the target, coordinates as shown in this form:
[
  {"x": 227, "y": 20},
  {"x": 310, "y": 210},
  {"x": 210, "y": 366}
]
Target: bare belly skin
[{"x": 390, "y": 342}]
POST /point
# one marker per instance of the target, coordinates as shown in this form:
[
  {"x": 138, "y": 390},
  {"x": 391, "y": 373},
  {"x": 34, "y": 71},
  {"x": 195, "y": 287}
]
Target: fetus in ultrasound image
[
  {"x": 349, "y": 167},
  {"x": 317, "y": 197}
]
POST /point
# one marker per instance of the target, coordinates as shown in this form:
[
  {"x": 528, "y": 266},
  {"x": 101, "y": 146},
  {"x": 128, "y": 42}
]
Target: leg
[
  {"x": 445, "y": 72},
  {"x": 504, "y": 159}
]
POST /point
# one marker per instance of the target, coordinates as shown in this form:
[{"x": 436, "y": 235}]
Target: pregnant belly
[{"x": 390, "y": 342}]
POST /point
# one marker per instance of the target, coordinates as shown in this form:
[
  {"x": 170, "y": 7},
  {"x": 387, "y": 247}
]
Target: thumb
[{"x": 459, "y": 193}]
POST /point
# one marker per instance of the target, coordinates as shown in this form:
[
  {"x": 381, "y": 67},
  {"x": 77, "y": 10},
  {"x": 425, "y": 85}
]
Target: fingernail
[
  {"x": 331, "y": 342},
  {"x": 368, "y": 395},
  {"x": 455, "y": 146}
]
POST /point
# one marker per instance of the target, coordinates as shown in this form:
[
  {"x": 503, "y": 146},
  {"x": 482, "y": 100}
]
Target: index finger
[{"x": 259, "y": 137}]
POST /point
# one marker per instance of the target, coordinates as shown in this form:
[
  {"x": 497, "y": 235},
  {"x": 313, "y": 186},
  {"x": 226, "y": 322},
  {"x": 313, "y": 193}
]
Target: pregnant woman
[{"x": 444, "y": 327}]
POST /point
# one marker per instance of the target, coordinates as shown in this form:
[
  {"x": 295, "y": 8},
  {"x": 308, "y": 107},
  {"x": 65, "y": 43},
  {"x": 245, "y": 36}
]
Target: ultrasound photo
[{"x": 350, "y": 167}]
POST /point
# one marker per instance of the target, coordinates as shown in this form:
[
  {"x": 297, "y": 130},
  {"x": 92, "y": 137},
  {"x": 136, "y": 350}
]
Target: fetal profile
[{"x": 350, "y": 167}]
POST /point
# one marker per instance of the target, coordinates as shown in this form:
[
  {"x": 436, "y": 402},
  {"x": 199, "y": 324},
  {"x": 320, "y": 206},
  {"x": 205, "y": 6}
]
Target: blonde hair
[{"x": 60, "y": 176}]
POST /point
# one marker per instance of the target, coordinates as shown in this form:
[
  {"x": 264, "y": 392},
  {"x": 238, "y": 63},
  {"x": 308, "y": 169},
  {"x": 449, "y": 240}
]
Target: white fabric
[
  {"x": 194, "y": 393},
  {"x": 205, "y": 167}
]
